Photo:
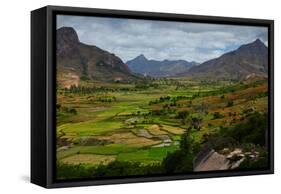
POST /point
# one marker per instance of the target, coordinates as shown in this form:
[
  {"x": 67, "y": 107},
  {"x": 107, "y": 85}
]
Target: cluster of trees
[
  {"x": 113, "y": 169},
  {"x": 144, "y": 85},
  {"x": 252, "y": 130},
  {"x": 88, "y": 90},
  {"x": 107, "y": 99},
  {"x": 173, "y": 100},
  {"x": 160, "y": 100},
  {"x": 63, "y": 109},
  {"x": 101, "y": 98},
  {"x": 195, "y": 122},
  {"x": 159, "y": 112},
  {"x": 166, "y": 81},
  {"x": 181, "y": 161},
  {"x": 250, "y": 135}
]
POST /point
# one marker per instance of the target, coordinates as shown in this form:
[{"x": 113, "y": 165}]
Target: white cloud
[{"x": 160, "y": 40}]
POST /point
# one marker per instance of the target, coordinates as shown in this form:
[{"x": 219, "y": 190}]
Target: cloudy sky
[{"x": 159, "y": 40}]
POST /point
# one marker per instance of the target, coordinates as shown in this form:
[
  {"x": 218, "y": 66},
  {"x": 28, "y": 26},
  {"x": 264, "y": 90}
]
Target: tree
[
  {"x": 182, "y": 159},
  {"x": 186, "y": 142},
  {"x": 196, "y": 122},
  {"x": 182, "y": 114}
]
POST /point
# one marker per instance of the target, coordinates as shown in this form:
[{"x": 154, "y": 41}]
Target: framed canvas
[{"x": 126, "y": 96}]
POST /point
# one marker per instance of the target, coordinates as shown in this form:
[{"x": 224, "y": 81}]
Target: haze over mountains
[
  {"x": 154, "y": 68},
  {"x": 77, "y": 61}
]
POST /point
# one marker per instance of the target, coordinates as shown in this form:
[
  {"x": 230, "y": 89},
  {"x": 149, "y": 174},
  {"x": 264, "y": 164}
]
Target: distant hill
[
  {"x": 249, "y": 59},
  {"x": 155, "y": 68},
  {"x": 76, "y": 61}
]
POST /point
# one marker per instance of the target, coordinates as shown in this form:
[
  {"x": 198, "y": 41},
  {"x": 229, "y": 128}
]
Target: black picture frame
[{"x": 43, "y": 92}]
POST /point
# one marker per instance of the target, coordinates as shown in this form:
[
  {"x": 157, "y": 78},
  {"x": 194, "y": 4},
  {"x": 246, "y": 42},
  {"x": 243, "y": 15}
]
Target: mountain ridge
[
  {"x": 77, "y": 59},
  {"x": 155, "y": 68},
  {"x": 247, "y": 59}
]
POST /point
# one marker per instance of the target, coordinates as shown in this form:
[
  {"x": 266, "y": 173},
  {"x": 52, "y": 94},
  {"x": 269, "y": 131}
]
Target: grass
[
  {"x": 156, "y": 130},
  {"x": 107, "y": 120},
  {"x": 129, "y": 139},
  {"x": 147, "y": 156},
  {"x": 173, "y": 130},
  {"x": 122, "y": 153},
  {"x": 112, "y": 149},
  {"x": 93, "y": 127},
  {"x": 88, "y": 159}
]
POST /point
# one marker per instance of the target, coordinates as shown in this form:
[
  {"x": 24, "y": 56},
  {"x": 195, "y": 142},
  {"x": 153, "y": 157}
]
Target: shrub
[
  {"x": 73, "y": 111},
  {"x": 196, "y": 122},
  {"x": 251, "y": 130},
  {"x": 182, "y": 114},
  {"x": 113, "y": 169},
  {"x": 217, "y": 115},
  {"x": 229, "y": 104},
  {"x": 58, "y": 106},
  {"x": 260, "y": 163},
  {"x": 84, "y": 78}
]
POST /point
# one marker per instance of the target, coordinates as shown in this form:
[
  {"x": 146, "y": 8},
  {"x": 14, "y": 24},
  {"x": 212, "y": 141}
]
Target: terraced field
[{"x": 122, "y": 122}]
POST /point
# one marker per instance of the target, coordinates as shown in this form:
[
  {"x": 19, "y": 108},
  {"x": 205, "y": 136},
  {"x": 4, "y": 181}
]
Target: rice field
[{"x": 145, "y": 125}]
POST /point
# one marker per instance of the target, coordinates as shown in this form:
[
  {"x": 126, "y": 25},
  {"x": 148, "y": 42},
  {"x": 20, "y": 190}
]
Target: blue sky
[{"x": 159, "y": 40}]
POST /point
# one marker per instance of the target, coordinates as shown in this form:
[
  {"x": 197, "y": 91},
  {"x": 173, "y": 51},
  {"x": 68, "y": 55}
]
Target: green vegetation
[
  {"x": 251, "y": 130},
  {"x": 156, "y": 126}
]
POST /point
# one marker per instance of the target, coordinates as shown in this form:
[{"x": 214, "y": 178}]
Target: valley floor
[{"x": 144, "y": 123}]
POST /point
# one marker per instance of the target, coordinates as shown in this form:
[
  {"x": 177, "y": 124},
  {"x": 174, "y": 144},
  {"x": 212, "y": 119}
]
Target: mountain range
[
  {"x": 76, "y": 61},
  {"x": 248, "y": 59},
  {"x": 154, "y": 68}
]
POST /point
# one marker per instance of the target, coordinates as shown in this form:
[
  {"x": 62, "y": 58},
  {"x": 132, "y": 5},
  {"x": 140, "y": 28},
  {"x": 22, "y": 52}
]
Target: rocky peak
[
  {"x": 67, "y": 40},
  {"x": 141, "y": 57},
  {"x": 256, "y": 47}
]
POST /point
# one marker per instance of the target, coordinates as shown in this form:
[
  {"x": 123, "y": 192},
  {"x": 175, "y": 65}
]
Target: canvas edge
[
  {"x": 38, "y": 103},
  {"x": 51, "y": 183}
]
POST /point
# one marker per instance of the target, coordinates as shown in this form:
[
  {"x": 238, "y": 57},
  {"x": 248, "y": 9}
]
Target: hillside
[
  {"x": 77, "y": 61},
  {"x": 247, "y": 60}
]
